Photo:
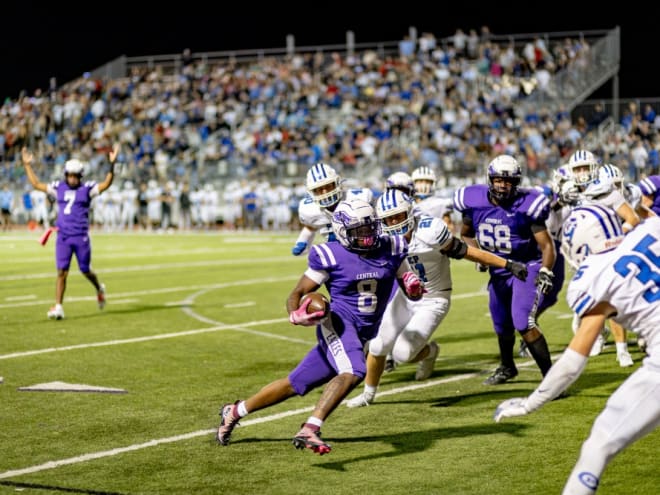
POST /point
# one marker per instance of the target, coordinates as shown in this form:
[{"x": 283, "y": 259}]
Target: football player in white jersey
[
  {"x": 601, "y": 189},
  {"x": 324, "y": 192},
  {"x": 129, "y": 206},
  {"x": 424, "y": 180},
  {"x": 560, "y": 208},
  {"x": 631, "y": 192},
  {"x": 617, "y": 277},
  {"x": 406, "y": 328}
]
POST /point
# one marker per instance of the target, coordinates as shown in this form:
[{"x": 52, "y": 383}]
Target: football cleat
[
  {"x": 390, "y": 364},
  {"x": 501, "y": 375},
  {"x": 597, "y": 348},
  {"x": 307, "y": 438},
  {"x": 360, "y": 401},
  {"x": 55, "y": 313},
  {"x": 625, "y": 359},
  {"x": 426, "y": 365},
  {"x": 228, "y": 422},
  {"x": 523, "y": 351},
  {"x": 641, "y": 344},
  {"x": 100, "y": 296}
]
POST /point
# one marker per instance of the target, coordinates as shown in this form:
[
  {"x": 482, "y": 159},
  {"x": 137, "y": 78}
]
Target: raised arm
[
  {"x": 28, "y": 158},
  {"x": 112, "y": 156}
]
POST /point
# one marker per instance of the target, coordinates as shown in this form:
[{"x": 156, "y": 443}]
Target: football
[{"x": 319, "y": 303}]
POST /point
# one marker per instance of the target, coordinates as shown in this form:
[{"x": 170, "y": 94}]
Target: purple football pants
[
  {"x": 67, "y": 246},
  {"x": 511, "y": 301}
]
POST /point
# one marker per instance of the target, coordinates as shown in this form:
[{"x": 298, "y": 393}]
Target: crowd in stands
[{"x": 448, "y": 105}]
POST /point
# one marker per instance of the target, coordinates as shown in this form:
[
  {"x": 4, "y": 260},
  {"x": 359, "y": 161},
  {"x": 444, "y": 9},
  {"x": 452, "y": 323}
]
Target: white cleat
[
  {"x": 359, "y": 401},
  {"x": 597, "y": 348},
  {"x": 55, "y": 313},
  {"x": 625, "y": 359},
  {"x": 100, "y": 296},
  {"x": 426, "y": 365},
  {"x": 641, "y": 343}
]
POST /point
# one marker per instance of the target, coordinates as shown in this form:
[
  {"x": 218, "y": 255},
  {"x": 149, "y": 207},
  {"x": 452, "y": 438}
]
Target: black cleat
[{"x": 501, "y": 375}]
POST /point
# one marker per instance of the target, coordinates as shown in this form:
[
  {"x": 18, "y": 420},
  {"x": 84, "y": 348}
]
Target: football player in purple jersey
[
  {"x": 73, "y": 197},
  {"x": 359, "y": 270},
  {"x": 510, "y": 221}
]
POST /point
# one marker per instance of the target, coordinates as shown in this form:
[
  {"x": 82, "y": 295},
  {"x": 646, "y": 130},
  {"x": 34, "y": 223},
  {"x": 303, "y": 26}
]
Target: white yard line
[
  {"x": 173, "y": 335},
  {"x": 198, "y": 433},
  {"x": 187, "y": 436},
  {"x": 163, "y": 266},
  {"x": 163, "y": 290}
]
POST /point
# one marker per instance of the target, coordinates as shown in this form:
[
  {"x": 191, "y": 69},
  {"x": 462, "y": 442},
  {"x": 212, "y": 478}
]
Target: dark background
[{"x": 64, "y": 39}]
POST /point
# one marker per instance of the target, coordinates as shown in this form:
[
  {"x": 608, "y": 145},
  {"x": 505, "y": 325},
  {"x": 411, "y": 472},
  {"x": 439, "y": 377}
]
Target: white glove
[
  {"x": 511, "y": 408},
  {"x": 301, "y": 317}
]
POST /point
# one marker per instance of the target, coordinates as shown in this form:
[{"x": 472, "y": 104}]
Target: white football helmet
[
  {"x": 355, "y": 226},
  {"x": 424, "y": 181},
  {"x": 394, "y": 202},
  {"x": 612, "y": 173},
  {"x": 401, "y": 181},
  {"x": 590, "y": 229},
  {"x": 324, "y": 185},
  {"x": 74, "y": 167},
  {"x": 584, "y": 167},
  {"x": 559, "y": 176},
  {"x": 504, "y": 167}
]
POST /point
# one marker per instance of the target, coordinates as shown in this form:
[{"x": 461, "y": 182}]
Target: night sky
[{"x": 65, "y": 39}]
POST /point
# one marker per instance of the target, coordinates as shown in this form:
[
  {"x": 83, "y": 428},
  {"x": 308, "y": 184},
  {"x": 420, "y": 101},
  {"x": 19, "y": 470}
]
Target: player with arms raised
[{"x": 73, "y": 198}]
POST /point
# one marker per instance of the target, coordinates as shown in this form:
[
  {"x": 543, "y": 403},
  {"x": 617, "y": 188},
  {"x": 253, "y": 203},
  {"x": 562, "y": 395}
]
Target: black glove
[
  {"x": 518, "y": 269},
  {"x": 480, "y": 267},
  {"x": 544, "y": 280}
]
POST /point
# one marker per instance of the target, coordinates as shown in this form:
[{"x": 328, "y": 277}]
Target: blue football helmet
[
  {"x": 393, "y": 203},
  {"x": 612, "y": 173},
  {"x": 324, "y": 185},
  {"x": 584, "y": 167},
  {"x": 590, "y": 229},
  {"x": 424, "y": 181}
]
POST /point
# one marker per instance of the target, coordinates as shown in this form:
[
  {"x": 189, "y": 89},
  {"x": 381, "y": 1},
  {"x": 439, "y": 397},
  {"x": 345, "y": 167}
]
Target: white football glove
[{"x": 511, "y": 408}]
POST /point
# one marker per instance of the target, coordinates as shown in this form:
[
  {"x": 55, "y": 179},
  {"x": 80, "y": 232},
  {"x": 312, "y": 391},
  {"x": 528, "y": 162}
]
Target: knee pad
[
  {"x": 377, "y": 347},
  {"x": 408, "y": 346}
]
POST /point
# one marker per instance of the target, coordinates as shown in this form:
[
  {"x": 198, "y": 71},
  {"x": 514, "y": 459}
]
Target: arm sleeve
[
  {"x": 456, "y": 248},
  {"x": 306, "y": 235},
  {"x": 561, "y": 375}
]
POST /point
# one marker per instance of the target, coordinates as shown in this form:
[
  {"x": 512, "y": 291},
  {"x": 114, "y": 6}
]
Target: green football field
[{"x": 125, "y": 400}]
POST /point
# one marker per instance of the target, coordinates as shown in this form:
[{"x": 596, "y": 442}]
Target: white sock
[
  {"x": 369, "y": 391},
  {"x": 241, "y": 410},
  {"x": 621, "y": 347},
  {"x": 312, "y": 420},
  {"x": 58, "y": 306}
]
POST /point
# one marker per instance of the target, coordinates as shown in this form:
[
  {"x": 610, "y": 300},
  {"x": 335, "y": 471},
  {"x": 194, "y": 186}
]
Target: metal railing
[{"x": 569, "y": 87}]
